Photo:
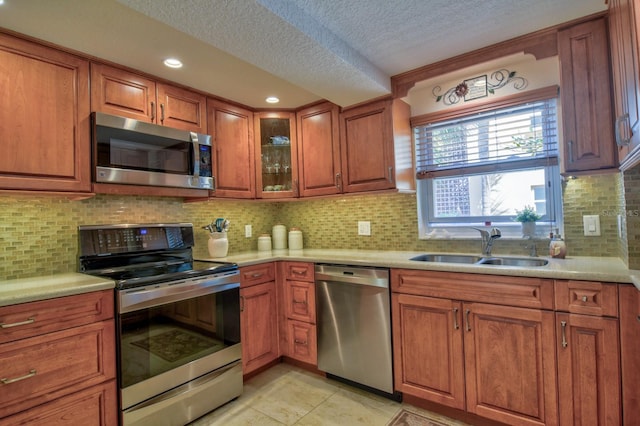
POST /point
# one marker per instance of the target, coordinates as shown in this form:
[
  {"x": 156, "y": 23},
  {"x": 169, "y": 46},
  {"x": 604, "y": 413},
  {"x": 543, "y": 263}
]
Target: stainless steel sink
[
  {"x": 514, "y": 261},
  {"x": 477, "y": 260},
  {"x": 447, "y": 258}
]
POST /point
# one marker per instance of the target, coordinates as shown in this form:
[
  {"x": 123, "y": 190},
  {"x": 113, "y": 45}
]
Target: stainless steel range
[{"x": 178, "y": 323}]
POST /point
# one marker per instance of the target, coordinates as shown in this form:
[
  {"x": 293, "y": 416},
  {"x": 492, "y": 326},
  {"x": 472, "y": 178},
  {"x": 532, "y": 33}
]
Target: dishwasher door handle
[{"x": 350, "y": 279}]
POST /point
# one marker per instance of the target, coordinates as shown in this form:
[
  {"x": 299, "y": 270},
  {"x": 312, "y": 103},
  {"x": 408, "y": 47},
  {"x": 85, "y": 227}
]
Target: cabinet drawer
[
  {"x": 300, "y": 271},
  {"x": 496, "y": 289},
  {"x": 94, "y": 406},
  {"x": 257, "y": 274},
  {"x": 36, "y": 318},
  {"x": 300, "y": 301},
  {"x": 585, "y": 297},
  {"x": 302, "y": 343},
  {"x": 43, "y": 368}
]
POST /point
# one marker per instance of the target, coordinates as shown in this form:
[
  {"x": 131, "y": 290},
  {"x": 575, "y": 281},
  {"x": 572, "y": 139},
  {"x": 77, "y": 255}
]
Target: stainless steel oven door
[{"x": 172, "y": 333}]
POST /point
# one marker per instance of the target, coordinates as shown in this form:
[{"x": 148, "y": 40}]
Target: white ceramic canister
[
  {"x": 218, "y": 244},
  {"x": 264, "y": 242},
  {"x": 279, "y": 237},
  {"x": 295, "y": 239}
]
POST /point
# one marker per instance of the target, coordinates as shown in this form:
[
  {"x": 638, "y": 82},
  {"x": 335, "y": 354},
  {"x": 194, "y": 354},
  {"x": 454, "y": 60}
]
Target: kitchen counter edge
[
  {"x": 23, "y": 290},
  {"x": 585, "y": 268}
]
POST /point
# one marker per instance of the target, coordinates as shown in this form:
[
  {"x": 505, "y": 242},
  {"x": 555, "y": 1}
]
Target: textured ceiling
[{"x": 300, "y": 50}]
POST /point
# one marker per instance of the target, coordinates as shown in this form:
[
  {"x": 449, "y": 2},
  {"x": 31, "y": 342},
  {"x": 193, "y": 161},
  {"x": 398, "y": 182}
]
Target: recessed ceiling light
[
  {"x": 170, "y": 62},
  {"x": 272, "y": 100}
]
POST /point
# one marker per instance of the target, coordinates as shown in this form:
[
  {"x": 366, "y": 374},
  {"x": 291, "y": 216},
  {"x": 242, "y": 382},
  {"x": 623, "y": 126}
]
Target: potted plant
[{"x": 527, "y": 216}]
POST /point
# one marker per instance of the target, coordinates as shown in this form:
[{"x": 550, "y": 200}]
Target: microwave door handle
[{"x": 195, "y": 154}]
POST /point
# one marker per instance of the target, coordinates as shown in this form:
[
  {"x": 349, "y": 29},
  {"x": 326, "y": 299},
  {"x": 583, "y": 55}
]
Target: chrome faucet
[{"x": 488, "y": 237}]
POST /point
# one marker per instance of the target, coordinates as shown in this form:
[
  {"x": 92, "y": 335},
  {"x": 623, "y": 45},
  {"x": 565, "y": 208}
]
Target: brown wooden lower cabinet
[
  {"x": 94, "y": 406},
  {"x": 630, "y": 349},
  {"x": 588, "y": 369},
  {"x": 495, "y": 361},
  {"x": 302, "y": 342},
  {"x": 58, "y": 363},
  {"x": 259, "y": 326}
]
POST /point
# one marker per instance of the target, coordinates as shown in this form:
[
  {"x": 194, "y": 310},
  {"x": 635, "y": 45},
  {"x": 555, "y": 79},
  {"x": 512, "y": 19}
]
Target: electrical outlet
[
  {"x": 247, "y": 231},
  {"x": 591, "y": 224},
  {"x": 364, "y": 227}
]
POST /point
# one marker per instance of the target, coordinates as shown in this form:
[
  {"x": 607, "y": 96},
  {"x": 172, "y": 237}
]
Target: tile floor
[{"x": 287, "y": 395}]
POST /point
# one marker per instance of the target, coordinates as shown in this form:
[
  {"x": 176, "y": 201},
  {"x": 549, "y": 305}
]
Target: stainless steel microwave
[{"x": 127, "y": 151}]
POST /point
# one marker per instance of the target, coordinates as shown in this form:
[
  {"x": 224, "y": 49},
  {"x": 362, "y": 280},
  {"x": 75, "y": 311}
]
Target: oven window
[{"x": 158, "y": 339}]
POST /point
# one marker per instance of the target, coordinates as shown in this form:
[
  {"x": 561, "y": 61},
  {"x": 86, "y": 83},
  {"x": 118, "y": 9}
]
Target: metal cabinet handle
[
  {"x": 257, "y": 275},
  {"x": 585, "y": 298},
  {"x": 339, "y": 181},
  {"x": 241, "y": 303},
  {"x": 296, "y": 190},
  {"x": 391, "y": 174},
  {"x": 300, "y": 342},
  {"x": 153, "y": 111},
  {"x": 162, "y": 113},
  {"x": 301, "y": 273},
  {"x": 300, "y": 302},
  {"x": 16, "y": 324},
  {"x": 563, "y": 325},
  {"x": 466, "y": 318},
  {"x": 6, "y": 381},
  {"x": 620, "y": 141},
  {"x": 455, "y": 319}
]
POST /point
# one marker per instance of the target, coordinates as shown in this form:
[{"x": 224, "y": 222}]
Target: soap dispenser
[{"x": 557, "y": 246}]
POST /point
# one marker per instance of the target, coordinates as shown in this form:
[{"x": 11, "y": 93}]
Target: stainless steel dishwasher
[{"x": 354, "y": 326}]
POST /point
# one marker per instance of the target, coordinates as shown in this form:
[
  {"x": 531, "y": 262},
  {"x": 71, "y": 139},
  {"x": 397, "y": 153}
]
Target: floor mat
[
  {"x": 174, "y": 345},
  {"x": 407, "y": 418}
]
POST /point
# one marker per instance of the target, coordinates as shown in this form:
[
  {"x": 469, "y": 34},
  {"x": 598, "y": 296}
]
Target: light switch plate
[
  {"x": 364, "y": 227},
  {"x": 247, "y": 231},
  {"x": 591, "y": 224}
]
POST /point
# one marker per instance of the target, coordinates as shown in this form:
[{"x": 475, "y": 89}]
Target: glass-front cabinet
[{"x": 276, "y": 155}]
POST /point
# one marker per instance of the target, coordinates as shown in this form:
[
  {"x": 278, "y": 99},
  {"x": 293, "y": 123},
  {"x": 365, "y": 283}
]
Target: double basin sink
[{"x": 526, "y": 262}]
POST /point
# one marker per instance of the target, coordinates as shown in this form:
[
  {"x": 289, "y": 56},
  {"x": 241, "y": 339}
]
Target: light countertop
[
  {"x": 24, "y": 290},
  {"x": 609, "y": 269}
]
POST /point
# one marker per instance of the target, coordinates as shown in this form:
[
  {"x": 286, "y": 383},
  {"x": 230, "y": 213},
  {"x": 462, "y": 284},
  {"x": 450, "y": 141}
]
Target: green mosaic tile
[{"x": 38, "y": 235}]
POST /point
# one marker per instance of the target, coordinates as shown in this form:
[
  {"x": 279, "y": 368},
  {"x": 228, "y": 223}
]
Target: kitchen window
[{"x": 479, "y": 165}]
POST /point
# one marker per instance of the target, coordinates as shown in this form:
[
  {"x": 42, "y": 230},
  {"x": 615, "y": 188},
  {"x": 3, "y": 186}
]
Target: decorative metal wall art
[{"x": 479, "y": 87}]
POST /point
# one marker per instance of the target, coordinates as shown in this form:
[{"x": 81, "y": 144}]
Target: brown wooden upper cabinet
[
  {"x": 624, "y": 16},
  {"x": 234, "y": 167},
  {"x": 44, "y": 111},
  {"x": 119, "y": 92},
  {"x": 276, "y": 155},
  {"x": 586, "y": 98},
  {"x": 377, "y": 147},
  {"x": 320, "y": 171}
]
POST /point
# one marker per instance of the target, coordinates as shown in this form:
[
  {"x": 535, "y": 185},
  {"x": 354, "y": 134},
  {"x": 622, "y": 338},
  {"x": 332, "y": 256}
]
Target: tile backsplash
[{"x": 38, "y": 235}]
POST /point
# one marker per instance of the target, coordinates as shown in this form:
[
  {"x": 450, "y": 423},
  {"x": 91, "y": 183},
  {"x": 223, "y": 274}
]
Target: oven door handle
[{"x": 144, "y": 298}]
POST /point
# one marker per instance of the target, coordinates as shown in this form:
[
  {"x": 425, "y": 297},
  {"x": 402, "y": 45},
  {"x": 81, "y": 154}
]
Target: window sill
[{"x": 509, "y": 231}]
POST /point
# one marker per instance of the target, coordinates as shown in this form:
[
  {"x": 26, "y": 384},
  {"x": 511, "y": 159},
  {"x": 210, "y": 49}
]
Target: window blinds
[{"x": 515, "y": 137}]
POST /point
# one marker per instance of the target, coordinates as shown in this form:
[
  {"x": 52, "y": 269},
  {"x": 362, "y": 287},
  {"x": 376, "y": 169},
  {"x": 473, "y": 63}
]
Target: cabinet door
[
  {"x": 630, "y": 349},
  {"x": 259, "y": 326},
  {"x": 319, "y": 150},
  {"x": 366, "y": 134},
  {"x": 510, "y": 364},
  {"x": 232, "y": 130},
  {"x": 587, "y": 116},
  {"x": 427, "y": 347},
  {"x": 588, "y": 370},
  {"x": 181, "y": 108},
  {"x": 276, "y": 155},
  {"x": 118, "y": 92},
  {"x": 44, "y": 111},
  {"x": 623, "y": 16},
  {"x": 300, "y": 301}
]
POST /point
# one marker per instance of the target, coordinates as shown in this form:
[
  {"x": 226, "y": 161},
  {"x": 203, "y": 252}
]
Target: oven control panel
[{"x": 96, "y": 240}]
